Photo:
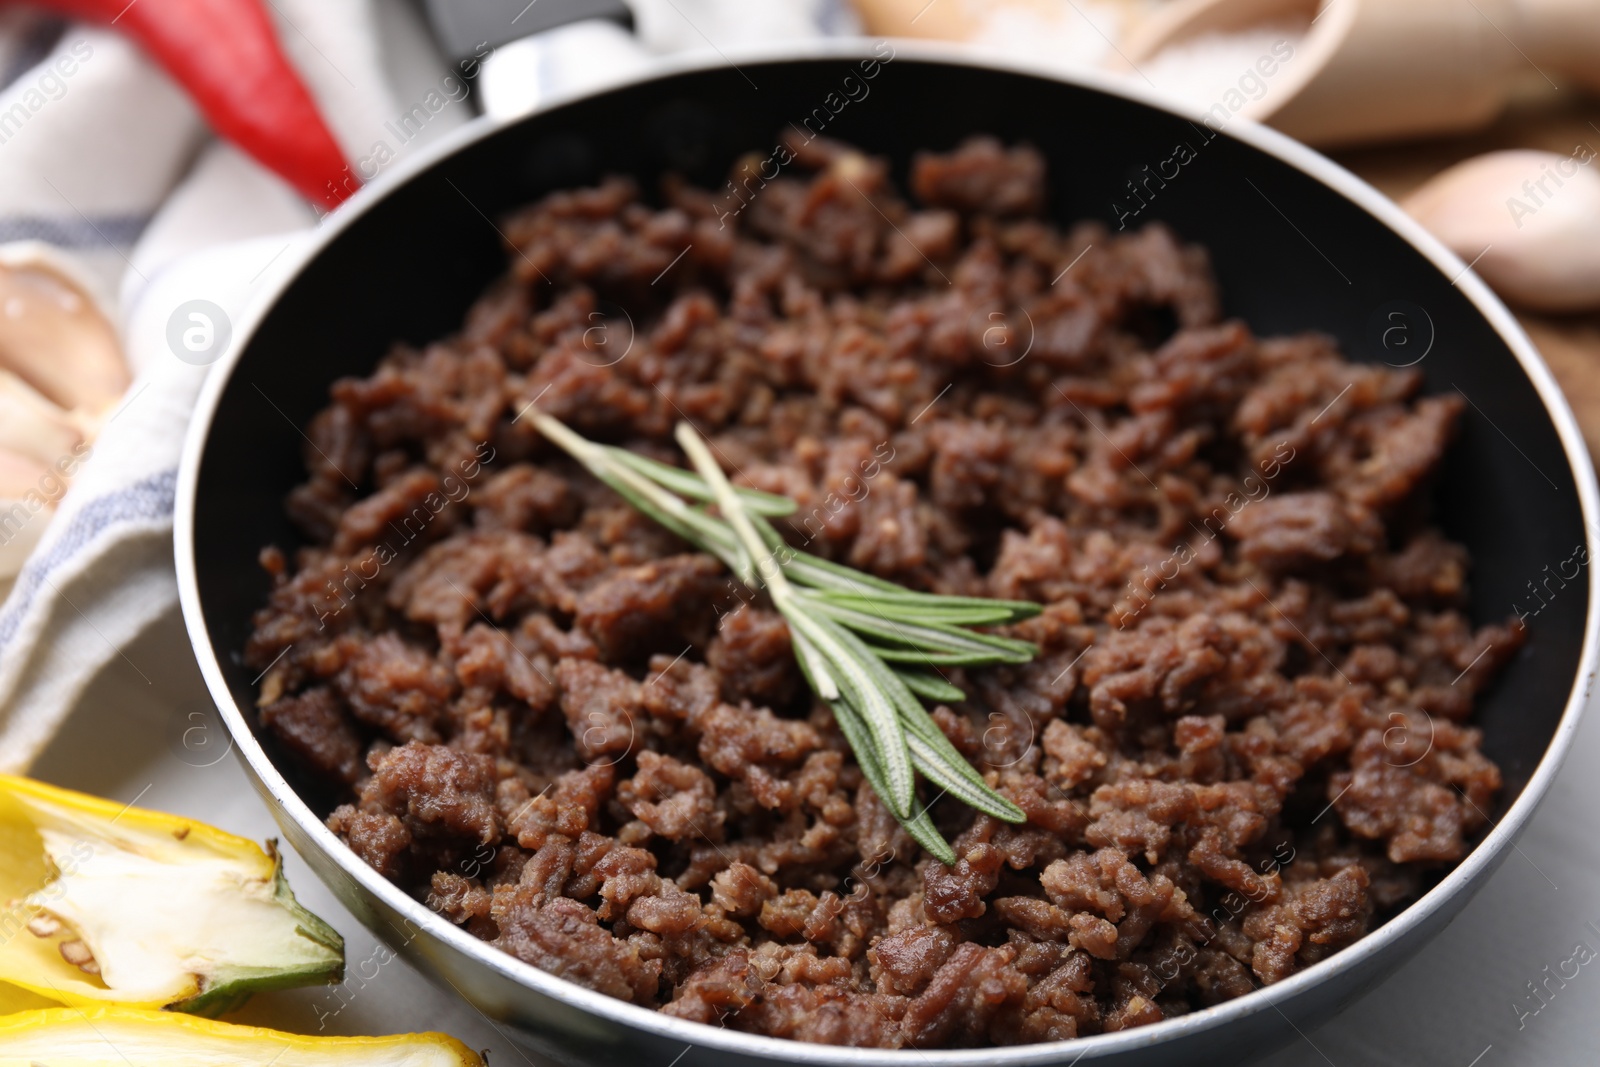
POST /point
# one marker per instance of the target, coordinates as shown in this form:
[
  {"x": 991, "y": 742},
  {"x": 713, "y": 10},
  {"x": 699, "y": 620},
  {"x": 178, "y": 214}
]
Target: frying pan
[{"x": 1297, "y": 243}]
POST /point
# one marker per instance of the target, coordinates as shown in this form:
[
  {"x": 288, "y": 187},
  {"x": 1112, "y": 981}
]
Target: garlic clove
[
  {"x": 1530, "y": 219},
  {"x": 61, "y": 373},
  {"x": 31, "y": 425},
  {"x": 18, "y": 540},
  {"x": 25, "y": 508},
  {"x": 19, "y": 475},
  {"x": 52, "y": 334}
]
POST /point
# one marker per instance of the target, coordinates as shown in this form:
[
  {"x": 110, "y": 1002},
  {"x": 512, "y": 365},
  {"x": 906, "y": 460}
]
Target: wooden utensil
[{"x": 1373, "y": 70}]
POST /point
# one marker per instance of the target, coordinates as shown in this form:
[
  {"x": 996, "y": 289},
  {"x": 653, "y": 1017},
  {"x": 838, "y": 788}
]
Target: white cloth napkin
[{"x": 117, "y": 169}]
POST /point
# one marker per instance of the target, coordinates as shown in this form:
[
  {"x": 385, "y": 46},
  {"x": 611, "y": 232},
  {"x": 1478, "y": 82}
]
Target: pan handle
[
  {"x": 462, "y": 27},
  {"x": 533, "y": 71}
]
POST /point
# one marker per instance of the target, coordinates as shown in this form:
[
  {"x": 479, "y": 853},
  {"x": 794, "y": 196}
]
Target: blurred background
[{"x": 160, "y": 159}]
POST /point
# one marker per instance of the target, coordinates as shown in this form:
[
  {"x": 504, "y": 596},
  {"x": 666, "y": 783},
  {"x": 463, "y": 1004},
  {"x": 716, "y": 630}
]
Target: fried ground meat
[{"x": 1245, "y": 741}]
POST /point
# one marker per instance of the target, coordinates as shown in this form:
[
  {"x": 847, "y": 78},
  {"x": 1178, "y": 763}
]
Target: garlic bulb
[
  {"x": 32, "y": 426},
  {"x": 61, "y": 374},
  {"x": 1531, "y": 220},
  {"x": 20, "y": 520}
]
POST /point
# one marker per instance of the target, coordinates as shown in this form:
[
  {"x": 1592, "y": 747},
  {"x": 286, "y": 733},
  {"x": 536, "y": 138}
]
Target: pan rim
[{"x": 1477, "y": 864}]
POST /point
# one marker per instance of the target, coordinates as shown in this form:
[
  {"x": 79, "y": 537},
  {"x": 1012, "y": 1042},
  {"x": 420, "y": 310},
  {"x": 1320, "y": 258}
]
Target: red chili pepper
[{"x": 225, "y": 54}]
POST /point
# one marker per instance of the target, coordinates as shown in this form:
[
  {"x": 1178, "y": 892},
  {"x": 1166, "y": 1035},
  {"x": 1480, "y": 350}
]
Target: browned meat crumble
[{"x": 1244, "y": 742}]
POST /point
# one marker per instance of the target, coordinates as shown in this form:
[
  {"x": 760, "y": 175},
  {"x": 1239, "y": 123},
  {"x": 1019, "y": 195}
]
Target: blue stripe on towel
[
  {"x": 80, "y": 232},
  {"x": 146, "y": 500}
]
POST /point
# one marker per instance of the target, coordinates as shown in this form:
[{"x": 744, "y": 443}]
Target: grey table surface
[{"x": 1463, "y": 1001}]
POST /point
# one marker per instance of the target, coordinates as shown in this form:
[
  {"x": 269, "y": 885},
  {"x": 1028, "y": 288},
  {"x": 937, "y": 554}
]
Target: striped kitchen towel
[
  {"x": 104, "y": 159},
  {"x": 113, "y": 167}
]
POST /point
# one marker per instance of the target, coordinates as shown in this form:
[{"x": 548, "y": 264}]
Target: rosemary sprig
[{"x": 862, "y": 642}]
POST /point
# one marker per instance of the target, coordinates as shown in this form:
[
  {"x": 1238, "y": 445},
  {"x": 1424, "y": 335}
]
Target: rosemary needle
[{"x": 860, "y": 640}]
